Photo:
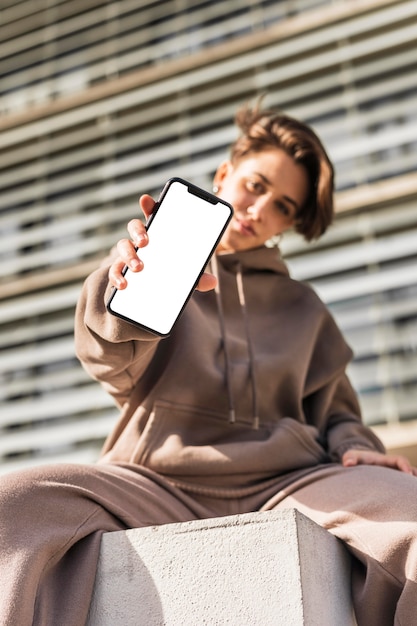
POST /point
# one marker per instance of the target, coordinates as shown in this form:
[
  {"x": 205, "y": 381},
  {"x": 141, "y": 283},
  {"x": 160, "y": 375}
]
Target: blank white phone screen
[{"x": 182, "y": 236}]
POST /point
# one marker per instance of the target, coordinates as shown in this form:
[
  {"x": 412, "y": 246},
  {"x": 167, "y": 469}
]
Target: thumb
[{"x": 207, "y": 282}]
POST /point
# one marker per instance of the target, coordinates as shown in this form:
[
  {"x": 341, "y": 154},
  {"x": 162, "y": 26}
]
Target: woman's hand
[
  {"x": 128, "y": 255},
  {"x": 371, "y": 457}
]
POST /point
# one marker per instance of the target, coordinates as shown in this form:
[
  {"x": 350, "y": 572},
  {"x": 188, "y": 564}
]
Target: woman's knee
[{"x": 33, "y": 493}]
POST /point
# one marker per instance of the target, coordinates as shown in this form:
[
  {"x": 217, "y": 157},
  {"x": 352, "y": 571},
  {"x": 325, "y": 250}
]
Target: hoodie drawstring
[
  {"x": 242, "y": 302},
  {"x": 228, "y": 367},
  {"x": 232, "y": 414}
]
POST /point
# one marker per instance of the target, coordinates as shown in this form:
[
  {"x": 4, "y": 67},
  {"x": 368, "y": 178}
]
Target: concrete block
[{"x": 270, "y": 568}]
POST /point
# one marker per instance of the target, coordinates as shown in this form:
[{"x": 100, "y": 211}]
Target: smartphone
[{"x": 184, "y": 230}]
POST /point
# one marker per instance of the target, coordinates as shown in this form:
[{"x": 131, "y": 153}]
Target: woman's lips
[{"x": 245, "y": 227}]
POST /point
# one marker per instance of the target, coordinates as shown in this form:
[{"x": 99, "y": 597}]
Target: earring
[{"x": 215, "y": 189}]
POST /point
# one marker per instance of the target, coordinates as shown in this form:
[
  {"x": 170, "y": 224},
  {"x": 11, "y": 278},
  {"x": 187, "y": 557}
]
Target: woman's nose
[{"x": 256, "y": 209}]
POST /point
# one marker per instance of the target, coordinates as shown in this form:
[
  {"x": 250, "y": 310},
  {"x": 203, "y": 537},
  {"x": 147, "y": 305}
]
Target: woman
[{"x": 244, "y": 407}]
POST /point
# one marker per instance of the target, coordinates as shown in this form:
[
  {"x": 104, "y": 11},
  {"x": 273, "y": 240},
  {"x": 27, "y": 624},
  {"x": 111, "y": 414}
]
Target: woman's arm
[{"x": 111, "y": 350}]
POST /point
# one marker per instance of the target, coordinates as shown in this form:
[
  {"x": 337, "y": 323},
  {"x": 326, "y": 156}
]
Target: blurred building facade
[{"x": 102, "y": 101}]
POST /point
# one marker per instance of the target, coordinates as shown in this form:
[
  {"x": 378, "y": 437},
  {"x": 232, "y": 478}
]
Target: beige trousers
[{"x": 52, "y": 519}]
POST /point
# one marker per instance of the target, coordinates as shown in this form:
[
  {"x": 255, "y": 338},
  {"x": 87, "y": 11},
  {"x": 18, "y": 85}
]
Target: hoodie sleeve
[
  {"x": 337, "y": 411},
  {"x": 111, "y": 350},
  {"x": 331, "y": 404}
]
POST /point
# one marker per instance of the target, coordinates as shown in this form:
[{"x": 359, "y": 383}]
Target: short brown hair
[{"x": 262, "y": 129}]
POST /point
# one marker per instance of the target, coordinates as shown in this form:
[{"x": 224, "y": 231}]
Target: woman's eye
[
  {"x": 253, "y": 185},
  {"x": 284, "y": 209}
]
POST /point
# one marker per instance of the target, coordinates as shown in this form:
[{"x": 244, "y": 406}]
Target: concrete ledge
[{"x": 271, "y": 568}]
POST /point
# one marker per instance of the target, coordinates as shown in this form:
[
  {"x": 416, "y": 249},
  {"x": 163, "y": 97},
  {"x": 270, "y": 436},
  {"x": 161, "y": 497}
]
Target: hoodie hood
[{"x": 255, "y": 260}]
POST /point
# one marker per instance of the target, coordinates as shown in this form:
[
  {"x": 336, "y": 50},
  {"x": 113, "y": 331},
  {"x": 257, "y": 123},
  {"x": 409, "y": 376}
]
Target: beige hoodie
[{"x": 249, "y": 386}]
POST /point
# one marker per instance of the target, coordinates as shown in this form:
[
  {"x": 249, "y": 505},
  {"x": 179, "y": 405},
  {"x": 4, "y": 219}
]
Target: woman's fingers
[
  {"x": 127, "y": 248},
  {"x": 116, "y": 277},
  {"x": 128, "y": 255},
  {"x": 371, "y": 457},
  {"x": 206, "y": 282},
  {"x": 138, "y": 233},
  {"x": 147, "y": 204}
]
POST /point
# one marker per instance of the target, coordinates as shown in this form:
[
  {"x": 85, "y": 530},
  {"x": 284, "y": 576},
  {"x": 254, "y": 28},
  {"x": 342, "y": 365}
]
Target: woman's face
[{"x": 267, "y": 190}]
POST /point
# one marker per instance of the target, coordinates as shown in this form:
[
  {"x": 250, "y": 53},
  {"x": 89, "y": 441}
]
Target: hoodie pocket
[
  {"x": 182, "y": 439},
  {"x": 305, "y": 440},
  {"x": 189, "y": 442}
]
